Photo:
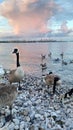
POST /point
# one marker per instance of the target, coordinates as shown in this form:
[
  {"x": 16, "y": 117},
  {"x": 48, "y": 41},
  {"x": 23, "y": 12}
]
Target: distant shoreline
[{"x": 30, "y": 41}]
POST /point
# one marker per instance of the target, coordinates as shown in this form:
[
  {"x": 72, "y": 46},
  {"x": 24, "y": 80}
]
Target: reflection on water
[{"x": 30, "y": 55}]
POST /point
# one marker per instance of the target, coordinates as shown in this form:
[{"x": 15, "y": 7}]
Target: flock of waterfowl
[
  {"x": 9, "y": 92},
  {"x": 52, "y": 79},
  {"x": 61, "y": 60}
]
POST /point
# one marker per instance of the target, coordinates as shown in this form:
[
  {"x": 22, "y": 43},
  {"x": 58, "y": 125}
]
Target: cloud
[
  {"x": 62, "y": 31},
  {"x": 27, "y": 16},
  {"x": 65, "y": 29}
]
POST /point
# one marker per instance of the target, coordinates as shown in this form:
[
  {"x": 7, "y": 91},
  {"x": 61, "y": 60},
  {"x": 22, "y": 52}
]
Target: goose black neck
[
  {"x": 55, "y": 83},
  {"x": 18, "y": 64}
]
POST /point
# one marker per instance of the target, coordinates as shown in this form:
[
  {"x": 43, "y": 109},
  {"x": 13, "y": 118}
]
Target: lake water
[{"x": 30, "y": 57}]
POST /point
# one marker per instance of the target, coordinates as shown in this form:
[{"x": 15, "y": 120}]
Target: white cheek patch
[
  {"x": 17, "y": 52},
  {"x": 44, "y": 81}
]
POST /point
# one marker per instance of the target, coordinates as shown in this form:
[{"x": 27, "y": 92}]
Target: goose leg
[
  {"x": 54, "y": 86},
  {"x": 9, "y": 117},
  {"x": 55, "y": 82},
  {"x": 19, "y": 88},
  {"x": 53, "y": 89}
]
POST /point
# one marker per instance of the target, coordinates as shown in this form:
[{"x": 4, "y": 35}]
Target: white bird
[
  {"x": 18, "y": 74},
  {"x": 52, "y": 79}
]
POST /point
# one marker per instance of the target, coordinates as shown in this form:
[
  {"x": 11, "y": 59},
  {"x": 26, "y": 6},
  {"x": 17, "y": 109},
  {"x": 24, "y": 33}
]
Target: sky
[{"x": 47, "y": 18}]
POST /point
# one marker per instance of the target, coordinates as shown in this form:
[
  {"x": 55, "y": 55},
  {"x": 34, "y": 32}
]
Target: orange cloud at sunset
[{"x": 28, "y": 17}]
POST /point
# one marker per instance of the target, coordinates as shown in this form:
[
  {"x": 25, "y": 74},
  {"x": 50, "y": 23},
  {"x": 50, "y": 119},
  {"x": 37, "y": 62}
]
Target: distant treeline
[{"x": 27, "y": 41}]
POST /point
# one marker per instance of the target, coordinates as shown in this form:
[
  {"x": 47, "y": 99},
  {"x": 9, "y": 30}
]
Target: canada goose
[
  {"x": 56, "y": 60},
  {"x": 50, "y": 54},
  {"x": 18, "y": 74},
  {"x": 64, "y": 62},
  {"x": 43, "y": 56},
  {"x": 69, "y": 93},
  {"x": 52, "y": 79},
  {"x": 62, "y": 55},
  {"x": 43, "y": 66},
  {"x": 8, "y": 94},
  {"x": 66, "y": 95}
]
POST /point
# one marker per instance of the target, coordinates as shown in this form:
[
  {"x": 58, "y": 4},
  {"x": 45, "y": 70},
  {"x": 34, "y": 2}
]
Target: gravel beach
[{"x": 36, "y": 109}]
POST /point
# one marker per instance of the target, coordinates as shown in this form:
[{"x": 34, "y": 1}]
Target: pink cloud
[{"x": 27, "y": 16}]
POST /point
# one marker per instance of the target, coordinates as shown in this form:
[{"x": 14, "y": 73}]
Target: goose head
[{"x": 15, "y": 51}]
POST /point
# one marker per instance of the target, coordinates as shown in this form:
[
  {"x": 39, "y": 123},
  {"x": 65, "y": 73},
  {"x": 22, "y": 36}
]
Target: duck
[
  {"x": 17, "y": 74},
  {"x": 8, "y": 94},
  {"x": 52, "y": 80}
]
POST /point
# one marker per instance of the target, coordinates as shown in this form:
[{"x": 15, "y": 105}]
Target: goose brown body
[
  {"x": 49, "y": 79},
  {"x": 8, "y": 95},
  {"x": 52, "y": 80},
  {"x": 16, "y": 75}
]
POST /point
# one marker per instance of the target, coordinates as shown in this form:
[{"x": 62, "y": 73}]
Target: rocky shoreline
[{"x": 36, "y": 109}]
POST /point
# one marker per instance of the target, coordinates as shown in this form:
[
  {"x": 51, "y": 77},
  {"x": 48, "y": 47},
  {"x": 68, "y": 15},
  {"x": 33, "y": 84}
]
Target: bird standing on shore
[
  {"x": 8, "y": 94},
  {"x": 52, "y": 80},
  {"x": 18, "y": 74},
  {"x": 69, "y": 93}
]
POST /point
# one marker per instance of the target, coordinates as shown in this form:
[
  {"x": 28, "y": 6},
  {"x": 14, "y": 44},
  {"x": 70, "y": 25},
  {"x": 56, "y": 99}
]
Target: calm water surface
[{"x": 30, "y": 57}]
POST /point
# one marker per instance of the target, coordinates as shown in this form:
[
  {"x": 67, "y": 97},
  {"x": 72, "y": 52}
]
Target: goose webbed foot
[
  {"x": 19, "y": 88},
  {"x": 9, "y": 118}
]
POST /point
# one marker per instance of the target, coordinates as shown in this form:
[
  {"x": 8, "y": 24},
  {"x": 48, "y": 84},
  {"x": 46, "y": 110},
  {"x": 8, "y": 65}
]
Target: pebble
[
  {"x": 16, "y": 121},
  {"x": 11, "y": 126},
  {"x": 34, "y": 109}
]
